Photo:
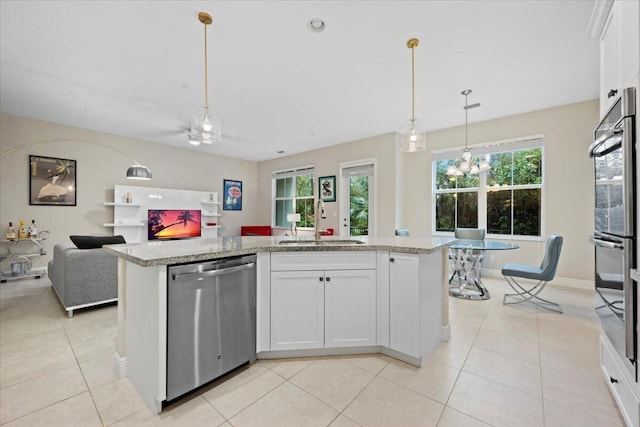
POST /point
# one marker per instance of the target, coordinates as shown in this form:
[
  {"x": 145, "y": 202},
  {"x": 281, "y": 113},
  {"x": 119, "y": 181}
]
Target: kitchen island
[{"x": 365, "y": 295}]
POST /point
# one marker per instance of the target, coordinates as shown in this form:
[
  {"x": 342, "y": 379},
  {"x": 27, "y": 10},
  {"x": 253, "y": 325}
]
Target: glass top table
[{"x": 466, "y": 257}]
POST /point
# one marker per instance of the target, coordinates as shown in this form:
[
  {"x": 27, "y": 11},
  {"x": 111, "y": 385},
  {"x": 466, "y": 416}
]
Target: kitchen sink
[{"x": 321, "y": 242}]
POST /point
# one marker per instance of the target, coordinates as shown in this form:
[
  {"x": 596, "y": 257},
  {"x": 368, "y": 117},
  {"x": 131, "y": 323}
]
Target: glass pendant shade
[
  {"x": 205, "y": 129},
  {"x": 411, "y": 140},
  {"x": 475, "y": 170},
  {"x": 484, "y": 165}
]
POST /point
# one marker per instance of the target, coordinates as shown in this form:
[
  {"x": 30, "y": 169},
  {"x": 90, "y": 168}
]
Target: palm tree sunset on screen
[{"x": 168, "y": 223}]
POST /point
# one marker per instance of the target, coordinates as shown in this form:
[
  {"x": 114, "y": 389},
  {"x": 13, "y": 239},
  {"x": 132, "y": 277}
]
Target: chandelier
[
  {"x": 467, "y": 164},
  {"x": 205, "y": 128},
  {"x": 410, "y": 139}
]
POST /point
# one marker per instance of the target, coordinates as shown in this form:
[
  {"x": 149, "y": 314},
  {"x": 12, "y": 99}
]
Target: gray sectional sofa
[{"x": 83, "y": 277}]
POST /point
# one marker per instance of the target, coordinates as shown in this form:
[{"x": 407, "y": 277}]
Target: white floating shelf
[
  {"x": 210, "y": 226},
  {"x": 209, "y": 214},
  {"x": 206, "y": 202},
  {"x": 123, "y": 225},
  {"x": 122, "y": 204}
]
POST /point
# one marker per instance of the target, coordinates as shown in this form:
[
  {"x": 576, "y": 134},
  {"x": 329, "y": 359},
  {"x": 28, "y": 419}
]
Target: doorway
[{"x": 357, "y": 197}]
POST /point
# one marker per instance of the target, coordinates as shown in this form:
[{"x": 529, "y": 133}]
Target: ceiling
[{"x": 136, "y": 68}]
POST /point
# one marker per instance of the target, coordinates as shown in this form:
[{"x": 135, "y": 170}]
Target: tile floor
[{"x": 504, "y": 366}]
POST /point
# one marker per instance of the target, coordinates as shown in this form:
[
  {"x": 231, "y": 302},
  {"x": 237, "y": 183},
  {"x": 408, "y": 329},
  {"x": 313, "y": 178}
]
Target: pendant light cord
[
  {"x": 466, "y": 122},
  {"x": 413, "y": 101},
  {"x": 206, "y": 84}
]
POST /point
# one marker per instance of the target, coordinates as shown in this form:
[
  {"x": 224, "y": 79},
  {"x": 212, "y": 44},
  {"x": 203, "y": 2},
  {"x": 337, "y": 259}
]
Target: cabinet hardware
[
  {"x": 392, "y": 259},
  {"x": 613, "y": 380},
  {"x": 328, "y": 279},
  {"x": 612, "y": 93},
  {"x": 321, "y": 278}
]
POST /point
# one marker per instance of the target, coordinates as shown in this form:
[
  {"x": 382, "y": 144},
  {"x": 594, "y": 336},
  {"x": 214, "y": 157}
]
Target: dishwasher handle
[{"x": 211, "y": 273}]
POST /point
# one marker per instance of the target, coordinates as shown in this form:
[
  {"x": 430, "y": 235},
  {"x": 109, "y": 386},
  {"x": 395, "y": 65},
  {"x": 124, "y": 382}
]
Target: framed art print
[
  {"x": 52, "y": 181},
  {"x": 232, "y": 200},
  {"x": 327, "y": 188}
]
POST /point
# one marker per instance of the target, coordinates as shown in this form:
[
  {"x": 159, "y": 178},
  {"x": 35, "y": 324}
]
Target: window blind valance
[
  {"x": 523, "y": 143},
  {"x": 304, "y": 170},
  {"x": 364, "y": 170}
]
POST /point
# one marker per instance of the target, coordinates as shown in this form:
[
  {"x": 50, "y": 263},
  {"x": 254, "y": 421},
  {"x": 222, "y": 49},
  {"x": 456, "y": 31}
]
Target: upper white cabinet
[{"x": 619, "y": 51}]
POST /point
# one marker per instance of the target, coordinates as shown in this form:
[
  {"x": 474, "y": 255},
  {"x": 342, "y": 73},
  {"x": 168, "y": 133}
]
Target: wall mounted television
[{"x": 173, "y": 223}]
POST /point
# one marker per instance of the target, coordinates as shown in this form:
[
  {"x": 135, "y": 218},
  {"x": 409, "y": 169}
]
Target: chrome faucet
[{"x": 319, "y": 213}]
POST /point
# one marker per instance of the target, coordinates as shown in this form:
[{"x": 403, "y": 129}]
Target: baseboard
[
  {"x": 119, "y": 365},
  {"x": 558, "y": 282}
]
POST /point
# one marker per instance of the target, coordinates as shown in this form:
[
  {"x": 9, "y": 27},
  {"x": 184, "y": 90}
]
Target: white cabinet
[
  {"x": 404, "y": 309},
  {"x": 131, "y": 205},
  {"x": 619, "y": 384},
  {"x": 313, "y": 307},
  {"x": 350, "y": 308},
  {"x": 619, "y": 51},
  {"x": 609, "y": 63},
  {"x": 297, "y": 310}
]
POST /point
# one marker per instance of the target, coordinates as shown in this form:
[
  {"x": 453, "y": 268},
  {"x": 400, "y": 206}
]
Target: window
[
  {"x": 505, "y": 200},
  {"x": 293, "y": 193}
]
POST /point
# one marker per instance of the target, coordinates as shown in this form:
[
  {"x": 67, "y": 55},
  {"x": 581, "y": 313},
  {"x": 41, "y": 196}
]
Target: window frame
[
  {"x": 502, "y": 146},
  {"x": 291, "y": 173}
]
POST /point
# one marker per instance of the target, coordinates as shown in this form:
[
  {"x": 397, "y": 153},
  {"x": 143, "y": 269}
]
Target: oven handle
[
  {"x": 604, "y": 138},
  {"x": 605, "y": 244}
]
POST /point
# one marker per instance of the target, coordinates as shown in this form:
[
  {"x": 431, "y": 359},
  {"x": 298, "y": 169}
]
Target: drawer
[
  {"x": 625, "y": 397},
  {"x": 323, "y": 260}
]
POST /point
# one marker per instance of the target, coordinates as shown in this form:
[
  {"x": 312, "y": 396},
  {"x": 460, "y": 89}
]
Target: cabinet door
[
  {"x": 629, "y": 41},
  {"x": 350, "y": 308},
  {"x": 609, "y": 62},
  {"x": 404, "y": 309},
  {"x": 297, "y": 310}
]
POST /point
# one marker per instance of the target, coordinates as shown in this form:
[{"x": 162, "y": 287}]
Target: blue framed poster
[{"x": 232, "y": 200}]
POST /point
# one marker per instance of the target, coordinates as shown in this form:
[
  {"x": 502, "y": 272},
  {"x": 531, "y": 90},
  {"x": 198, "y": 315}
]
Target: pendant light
[
  {"x": 410, "y": 139},
  {"x": 205, "y": 127},
  {"x": 467, "y": 165}
]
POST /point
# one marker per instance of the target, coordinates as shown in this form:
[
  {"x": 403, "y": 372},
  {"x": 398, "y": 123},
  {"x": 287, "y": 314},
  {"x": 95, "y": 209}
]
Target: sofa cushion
[{"x": 93, "y": 242}]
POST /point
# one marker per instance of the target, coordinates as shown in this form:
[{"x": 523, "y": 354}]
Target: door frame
[{"x": 343, "y": 203}]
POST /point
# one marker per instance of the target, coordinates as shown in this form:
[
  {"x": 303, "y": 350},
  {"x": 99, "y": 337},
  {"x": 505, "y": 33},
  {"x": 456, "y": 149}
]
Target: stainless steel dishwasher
[{"x": 211, "y": 321}]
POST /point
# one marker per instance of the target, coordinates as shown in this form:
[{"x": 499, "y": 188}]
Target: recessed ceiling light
[{"x": 316, "y": 25}]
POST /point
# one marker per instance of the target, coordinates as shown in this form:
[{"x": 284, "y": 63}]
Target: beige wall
[
  {"x": 326, "y": 162},
  {"x": 99, "y": 169},
  {"x": 568, "y": 194},
  {"x": 568, "y": 191}
]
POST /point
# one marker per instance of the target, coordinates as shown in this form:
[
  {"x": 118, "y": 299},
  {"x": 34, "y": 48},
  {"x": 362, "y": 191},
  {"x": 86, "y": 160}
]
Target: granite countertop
[{"x": 155, "y": 253}]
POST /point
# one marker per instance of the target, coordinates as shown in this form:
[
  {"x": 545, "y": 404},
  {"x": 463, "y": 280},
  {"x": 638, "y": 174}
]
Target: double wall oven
[{"x": 616, "y": 232}]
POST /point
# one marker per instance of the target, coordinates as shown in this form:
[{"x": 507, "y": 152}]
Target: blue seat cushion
[{"x": 525, "y": 271}]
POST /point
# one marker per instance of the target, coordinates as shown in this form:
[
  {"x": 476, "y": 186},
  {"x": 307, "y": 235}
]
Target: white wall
[{"x": 99, "y": 169}]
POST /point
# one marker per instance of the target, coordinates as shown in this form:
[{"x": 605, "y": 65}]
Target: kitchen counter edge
[{"x": 152, "y": 254}]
